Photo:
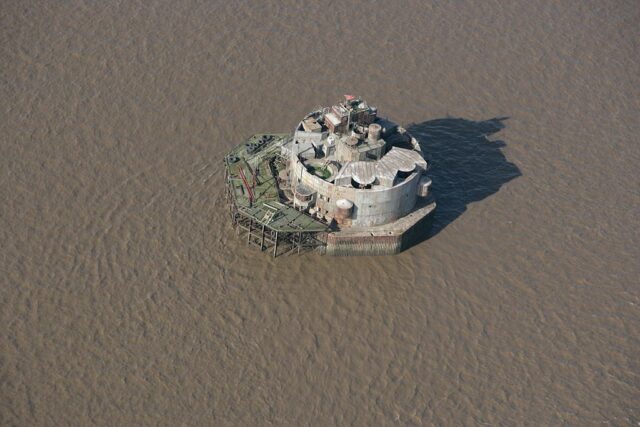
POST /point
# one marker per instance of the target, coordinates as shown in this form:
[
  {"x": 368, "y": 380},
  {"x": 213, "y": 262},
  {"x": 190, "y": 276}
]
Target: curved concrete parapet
[{"x": 374, "y": 206}]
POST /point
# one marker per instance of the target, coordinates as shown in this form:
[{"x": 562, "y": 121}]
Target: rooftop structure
[{"x": 346, "y": 181}]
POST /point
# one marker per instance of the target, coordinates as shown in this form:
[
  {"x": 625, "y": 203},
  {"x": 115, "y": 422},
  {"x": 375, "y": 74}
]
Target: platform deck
[{"x": 261, "y": 201}]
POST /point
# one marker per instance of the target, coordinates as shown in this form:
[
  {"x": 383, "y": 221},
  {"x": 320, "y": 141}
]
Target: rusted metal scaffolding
[
  {"x": 279, "y": 242},
  {"x": 261, "y": 234}
]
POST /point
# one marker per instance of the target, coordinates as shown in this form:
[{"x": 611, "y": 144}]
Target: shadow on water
[{"x": 466, "y": 166}]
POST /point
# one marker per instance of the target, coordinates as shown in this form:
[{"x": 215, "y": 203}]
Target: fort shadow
[{"x": 466, "y": 166}]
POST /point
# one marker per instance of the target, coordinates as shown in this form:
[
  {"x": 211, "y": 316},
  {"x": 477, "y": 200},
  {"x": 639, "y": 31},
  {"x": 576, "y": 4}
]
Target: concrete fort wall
[
  {"x": 365, "y": 243},
  {"x": 375, "y": 207},
  {"x": 371, "y": 207}
]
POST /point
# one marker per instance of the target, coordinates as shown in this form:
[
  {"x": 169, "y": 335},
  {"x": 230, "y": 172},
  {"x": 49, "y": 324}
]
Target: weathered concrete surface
[
  {"x": 385, "y": 239},
  {"x": 372, "y": 207}
]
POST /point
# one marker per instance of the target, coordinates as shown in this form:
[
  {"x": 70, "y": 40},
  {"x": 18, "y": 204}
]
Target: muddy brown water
[{"x": 127, "y": 300}]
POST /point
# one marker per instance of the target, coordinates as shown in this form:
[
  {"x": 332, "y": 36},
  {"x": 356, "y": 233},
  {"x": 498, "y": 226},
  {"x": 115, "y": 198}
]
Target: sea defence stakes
[{"x": 345, "y": 182}]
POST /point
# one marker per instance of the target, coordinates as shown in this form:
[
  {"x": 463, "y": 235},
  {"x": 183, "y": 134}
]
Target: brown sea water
[{"x": 126, "y": 298}]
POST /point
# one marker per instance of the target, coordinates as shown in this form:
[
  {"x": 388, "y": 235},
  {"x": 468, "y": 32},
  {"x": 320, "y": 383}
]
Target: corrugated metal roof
[
  {"x": 403, "y": 160},
  {"x": 386, "y": 169},
  {"x": 363, "y": 173}
]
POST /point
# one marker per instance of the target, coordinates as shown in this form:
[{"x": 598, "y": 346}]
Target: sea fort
[{"x": 346, "y": 181}]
